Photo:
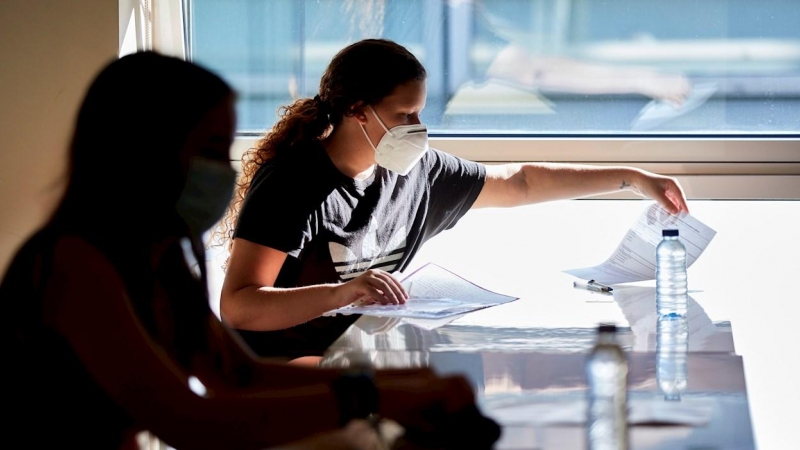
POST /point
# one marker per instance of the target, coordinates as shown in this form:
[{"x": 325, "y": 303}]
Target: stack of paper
[{"x": 434, "y": 293}]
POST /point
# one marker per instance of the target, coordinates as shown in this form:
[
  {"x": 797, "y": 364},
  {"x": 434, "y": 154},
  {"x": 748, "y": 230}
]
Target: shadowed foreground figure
[{"x": 108, "y": 328}]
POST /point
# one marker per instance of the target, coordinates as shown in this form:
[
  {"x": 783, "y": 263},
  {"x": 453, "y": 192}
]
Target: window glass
[{"x": 529, "y": 67}]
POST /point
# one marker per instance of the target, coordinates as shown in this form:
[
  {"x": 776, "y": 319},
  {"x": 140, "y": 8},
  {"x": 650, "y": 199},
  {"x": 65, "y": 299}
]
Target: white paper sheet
[
  {"x": 635, "y": 257},
  {"x": 434, "y": 293}
]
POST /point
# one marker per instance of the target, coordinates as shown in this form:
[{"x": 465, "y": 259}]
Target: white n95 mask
[
  {"x": 401, "y": 148},
  {"x": 207, "y": 193}
]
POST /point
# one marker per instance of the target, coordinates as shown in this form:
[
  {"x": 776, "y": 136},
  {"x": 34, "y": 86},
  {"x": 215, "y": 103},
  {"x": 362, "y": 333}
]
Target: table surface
[
  {"x": 742, "y": 289},
  {"x": 520, "y": 389}
]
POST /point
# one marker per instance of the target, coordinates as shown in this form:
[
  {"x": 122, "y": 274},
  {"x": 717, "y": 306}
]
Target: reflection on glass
[
  {"x": 469, "y": 365},
  {"x": 378, "y": 360},
  {"x": 672, "y": 346},
  {"x": 637, "y": 303},
  {"x": 527, "y": 66}
]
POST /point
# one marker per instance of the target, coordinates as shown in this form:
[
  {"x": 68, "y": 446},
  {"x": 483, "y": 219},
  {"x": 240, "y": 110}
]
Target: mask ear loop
[
  {"x": 379, "y": 119},
  {"x": 364, "y": 130}
]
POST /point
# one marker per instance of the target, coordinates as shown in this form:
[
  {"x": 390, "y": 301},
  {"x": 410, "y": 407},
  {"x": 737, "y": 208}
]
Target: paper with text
[
  {"x": 434, "y": 293},
  {"x": 635, "y": 257}
]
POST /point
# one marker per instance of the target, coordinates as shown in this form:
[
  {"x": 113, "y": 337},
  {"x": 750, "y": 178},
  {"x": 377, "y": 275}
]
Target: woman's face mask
[
  {"x": 400, "y": 148},
  {"x": 207, "y": 193}
]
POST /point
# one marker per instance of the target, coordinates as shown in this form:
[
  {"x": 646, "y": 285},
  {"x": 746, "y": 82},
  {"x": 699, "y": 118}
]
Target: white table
[{"x": 745, "y": 285}]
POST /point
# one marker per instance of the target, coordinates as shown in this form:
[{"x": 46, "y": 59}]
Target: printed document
[
  {"x": 434, "y": 293},
  {"x": 635, "y": 257}
]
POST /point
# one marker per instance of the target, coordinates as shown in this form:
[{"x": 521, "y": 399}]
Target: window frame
[
  {"x": 709, "y": 167},
  {"x": 719, "y": 168}
]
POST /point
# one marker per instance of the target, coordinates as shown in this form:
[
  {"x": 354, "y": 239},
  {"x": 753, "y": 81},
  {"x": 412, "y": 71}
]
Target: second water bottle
[
  {"x": 607, "y": 379},
  {"x": 671, "y": 279}
]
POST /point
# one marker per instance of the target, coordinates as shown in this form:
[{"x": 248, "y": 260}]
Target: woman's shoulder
[
  {"x": 436, "y": 160},
  {"x": 49, "y": 249},
  {"x": 295, "y": 166},
  {"x": 42, "y": 247},
  {"x": 78, "y": 248},
  {"x": 52, "y": 262}
]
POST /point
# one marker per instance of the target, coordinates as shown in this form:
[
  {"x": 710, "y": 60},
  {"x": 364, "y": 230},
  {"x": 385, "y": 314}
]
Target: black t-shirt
[{"x": 334, "y": 228}]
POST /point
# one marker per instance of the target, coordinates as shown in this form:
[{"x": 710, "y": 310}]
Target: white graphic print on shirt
[{"x": 349, "y": 263}]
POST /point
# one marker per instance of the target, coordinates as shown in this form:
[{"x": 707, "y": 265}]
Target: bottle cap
[
  {"x": 607, "y": 328},
  {"x": 669, "y": 232}
]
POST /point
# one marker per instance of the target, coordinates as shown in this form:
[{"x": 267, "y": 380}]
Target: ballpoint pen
[{"x": 593, "y": 286}]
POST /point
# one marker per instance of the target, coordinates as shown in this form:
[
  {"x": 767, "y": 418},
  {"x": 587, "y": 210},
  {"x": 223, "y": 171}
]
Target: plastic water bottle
[
  {"x": 671, "y": 281},
  {"x": 672, "y": 347},
  {"x": 607, "y": 377}
]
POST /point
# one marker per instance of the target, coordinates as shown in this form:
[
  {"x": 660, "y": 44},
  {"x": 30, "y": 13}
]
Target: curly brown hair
[{"x": 361, "y": 74}]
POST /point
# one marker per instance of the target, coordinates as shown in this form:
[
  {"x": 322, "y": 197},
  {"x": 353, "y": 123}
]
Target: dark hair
[
  {"x": 361, "y": 74},
  {"x": 124, "y": 167},
  {"x": 125, "y": 177}
]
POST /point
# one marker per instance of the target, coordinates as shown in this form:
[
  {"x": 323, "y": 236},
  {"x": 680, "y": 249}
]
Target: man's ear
[{"x": 358, "y": 112}]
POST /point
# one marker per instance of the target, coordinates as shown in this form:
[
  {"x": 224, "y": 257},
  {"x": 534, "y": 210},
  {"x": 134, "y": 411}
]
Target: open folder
[{"x": 434, "y": 293}]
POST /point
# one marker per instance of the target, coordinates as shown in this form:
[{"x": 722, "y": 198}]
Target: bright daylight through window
[{"x": 529, "y": 67}]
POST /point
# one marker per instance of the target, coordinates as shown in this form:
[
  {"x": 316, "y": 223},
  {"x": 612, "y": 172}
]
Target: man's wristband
[{"x": 357, "y": 394}]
